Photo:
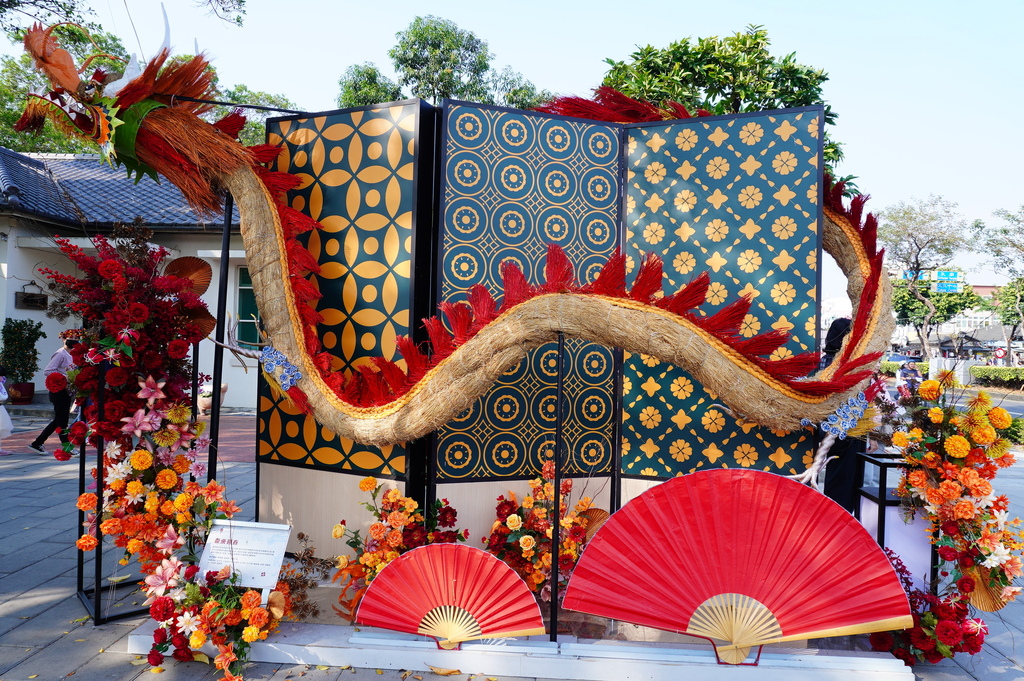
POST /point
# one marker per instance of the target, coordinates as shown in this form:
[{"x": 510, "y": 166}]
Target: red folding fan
[
  {"x": 740, "y": 556},
  {"x": 452, "y": 593}
]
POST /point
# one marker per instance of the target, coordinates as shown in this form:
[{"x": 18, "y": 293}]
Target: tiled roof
[{"x": 81, "y": 188}]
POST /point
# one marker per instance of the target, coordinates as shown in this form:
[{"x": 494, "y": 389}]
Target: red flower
[
  {"x": 947, "y": 553},
  {"x": 117, "y": 376},
  {"x": 446, "y": 537},
  {"x": 109, "y": 269},
  {"x": 904, "y": 654},
  {"x": 177, "y": 349},
  {"x": 505, "y": 508},
  {"x": 413, "y": 536},
  {"x": 972, "y": 644},
  {"x": 77, "y": 432},
  {"x": 159, "y": 636},
  {"x": 951, "y": 527},
  {"x": 154, "y": 658},
  {"x": 882, "y": 641},
  {"x": 138, "y": 313},
  {"x": 948, "y": 632},
  {"x": 179, "y": 641},
  {"x": 965, "y": 585},
  {"x": 447, "y": 517},
  {"x": 61, "y": 455},
  {"x": 934, "y": 656},
  {"x": 191, "y": 571},
  {"x": 183, "y": 654},
  {"x": 944, "y": 611},
  {"x": 921, "y": 640},
  {"x": 56, "y": 382}
]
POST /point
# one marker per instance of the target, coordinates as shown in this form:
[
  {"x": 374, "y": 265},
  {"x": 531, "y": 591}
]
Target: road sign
[
  {"x": 948, "y": 287},
  {"x": 999, "y": 353},
  {"x": 948, "y": 275}
]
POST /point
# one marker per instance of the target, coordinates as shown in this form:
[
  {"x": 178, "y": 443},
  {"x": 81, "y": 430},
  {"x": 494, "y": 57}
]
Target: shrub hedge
[
  {"x": 1011, "y": 378},
  {"x": 890, "y": 368}
]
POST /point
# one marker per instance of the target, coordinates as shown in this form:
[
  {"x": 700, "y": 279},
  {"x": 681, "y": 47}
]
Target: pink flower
[
  {"x": 163, "y": 578},
  {"x": 1010, "y": 593},
  {"x": 973, "y": 627},
  {"x": 151, "y": 390},
  {"x": 170, "y": 541},
  {"x": 137, "y": 424},
  {"x": 197, "y": 469},
  {"x": 127, "y": 334}
]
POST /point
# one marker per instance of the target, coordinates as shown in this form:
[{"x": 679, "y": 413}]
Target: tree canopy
[
  {"x": 15, "y": 14},
  {"x": 435, "y": 59},
  {"x": 1004, "y": 243},
  {"x": 724, "y": 76}
]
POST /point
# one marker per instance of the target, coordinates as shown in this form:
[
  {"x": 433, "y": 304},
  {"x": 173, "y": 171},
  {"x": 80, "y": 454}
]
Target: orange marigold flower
[
  {"x": 141, "y": 459},
  {"x": 377, "y": 531},
  {"x": 181, "y": 464},
  {"x": 1006, "y": 460},
  {"x": 167, "y": 508},
  {"x": 899, "y": 438},
  {"x": 134, "y": 546},
  {"x": 111, "y": 526},
  {"x": 916, "y": 434},
  {"x": 87, "y": 542},
  {"x": 950, "y": 490},
  {"x": 166, "y": 479},
  {"x": 250, "y": 634},
  {"x": 398, "y": 519},
  {"x": 152, "y": 502},
  {"x": 232, "y": 617},
  {"x": 957, "y": 446},
  {"x": 87, "y": 501},
  {"x": 936, "y": 415},
  {"x": 918, "y": 478},
  {"x": 135, "y": 487},
  {"x": 984, "y": 435},
  {"x": 368, "y": 484},
  {"x": 251, "y": 599},
  {"x": 982, "y": 488},
  {"x": 934, "y": 496},
  {"x": 259, "y": 617},
  {"x": 183, "y": 501},
  {"x": 118, "y": 485},
  {"x": 395, "y": 538},
  {"x": 929, "y": 390},
  {"x": 1000, "y": 418},
  {"x": 963, "y": 510}
]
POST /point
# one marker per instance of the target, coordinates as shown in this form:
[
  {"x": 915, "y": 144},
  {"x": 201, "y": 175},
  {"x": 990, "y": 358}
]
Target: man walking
[{"x": 59, "y": 363}]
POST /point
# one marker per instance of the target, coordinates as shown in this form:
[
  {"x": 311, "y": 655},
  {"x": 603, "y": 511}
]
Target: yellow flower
[
  {"x": 916, "y": 434},
  {"x": 527, "y": 542},
  {"x": 947, "y": 378},
  {"x": 751, "y": 133},
  {"x": 980, "y": 402},
  {"x": 784, "y": 227},
  {"x": 686, "y": 139},
  {"x": 783, "y": 293},
  {"x": 899, "y": 438},
  {"x": 166, "y": 479},
  {"x": 199, "y": 428},
  {"x": 936, "y": 415},
  {"x": 196, "y": 639},
  {"x": 957, "y": 446},
  {"x": 716, "y": 230},
  {"x": 680, "y": 450},
  {"x": 141, "y": 459},
  {"x": 717, "y": 167},
  {"x": 368, "y": 484},
  {"x": 750, "y": 326},
  {"x": 134, "y": 546},
  {"x": 514, "y": 522},
  {"x": 685, "y": 200},
  {"x": 250, "y": 634},
  {"x": 929, "y": 390},
  {"x": 1000, "y": 418},
  {"x": 338, "y": 531},
  {"x": 999, "y": 447},
  {"x": 178, "y": 413},
  {"x": 713, "y": 420},
  {"x": 152, "y": 502},
  {"x": 341, "y": 562},
  {"x": 716, "y": 293},
  {"x": 985, "y": 435},
  {"x": 165, "y": 438}
]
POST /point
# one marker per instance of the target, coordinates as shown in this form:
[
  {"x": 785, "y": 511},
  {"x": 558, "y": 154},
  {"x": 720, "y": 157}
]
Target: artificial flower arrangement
[
  {"x": 139, "y": 328},
  {"x": 952, "y": 457},
  {"x": 399, "y": 526},
  {"x": 522, "y": 532}
]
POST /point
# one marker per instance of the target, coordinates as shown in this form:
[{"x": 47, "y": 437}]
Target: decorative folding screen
[
  {"x": 736, "y": 196},
  {"x": 513, "y": 182},
  {"x": 359, "y": 170}
]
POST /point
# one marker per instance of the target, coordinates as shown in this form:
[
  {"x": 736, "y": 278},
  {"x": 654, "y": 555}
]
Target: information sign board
[
  {"x": 253, "y": 550},
  {"x": 948, "y": 275},
  {"x": 948, "y": 287}
]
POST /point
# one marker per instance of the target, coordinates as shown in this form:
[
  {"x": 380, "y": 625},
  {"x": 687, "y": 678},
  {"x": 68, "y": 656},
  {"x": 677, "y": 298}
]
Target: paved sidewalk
[{"x": 46, "y": 635}]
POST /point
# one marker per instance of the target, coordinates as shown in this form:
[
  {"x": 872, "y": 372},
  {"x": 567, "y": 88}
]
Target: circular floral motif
[
  {"x": 685, "y": 200},
  {"x": 684, "y": 263},
  {"x": 654, "y": 233},
  {"x": 513, "y": 178},
  {"x": 713, "y": 420},
  {"x": 466, "y": 219},
  {"x": 745, "y": 455},
  {"x": 680, "y": 450},
  {"x": 558, "y": 138},
  {"x": 780, "y": 353},
  {"x": 599, "y": 144},
  {"x": 784, "y": 227},
  {"x": 784, "y": 163},
  {"x": 751, "y": 133},
  {"x": 686, "y": 139},
  {"x": 750, "y": 326},
  {"x": 506, "y": 408},
  {"x": 650, "y": 417},
  {"x": 812, "y": 194},
  {"x": 655, "y": 172},
  {"x": 557, "y": 183},
  {"x": 464, "y": 267},
  {"x": 514, "y": 132},
  {"x": 749, "y": 261},
  {"x": 717, "y": 167},
  {"x": 467, "y": 173},
  {"x": 716, "y": 230},
  {"x": 750, "y": 197},
  {"x": 716, "y": 293},
  {"x": 468, "y": 126},
  {"x": 512, "y": 222},
  {"x": 681, "y": 388},
  {"x": 630, "y": 205},
  {"x": 783, "y": 293}
]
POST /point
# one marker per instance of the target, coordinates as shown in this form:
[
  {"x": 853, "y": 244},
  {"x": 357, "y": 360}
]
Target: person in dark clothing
[
  {"x": 841, "y": 473},
  {"x": 60, "y": 363}
]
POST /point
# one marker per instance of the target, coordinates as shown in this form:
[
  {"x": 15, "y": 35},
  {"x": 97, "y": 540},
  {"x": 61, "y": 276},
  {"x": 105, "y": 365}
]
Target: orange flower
[
  {"x": 368, "y": 484},
  {"x": 167, "y": 508},
  {"x": 935, "y": 415},
  {"x": 985, "y": 435},
  {"x": 929, "y": 390},
  {"x": 134, "y": 546},
  {"x": 957, "y": 446},
  {"x": 395, "y": 538},
  {"x": 947, "y": 378},
  {"x": 250, "y": 634},
  {"x": 183, "y": 502},
  {"x": 1000, "y": 418},
  {"x": 259, "y": 618},
  {"x": 166, "y": 479},
  {"x": 87, "y": 502},
  {"x": 982, "y": 488},
  {"x": 251, "y": 600},
  {"x": 141, "y": 459},
  {"x": 398, "y": 519},
  {"x": 527, "y": 542},
  {"x": 899, "y": 438},
  {"x": 377, "y": 531},
  {"x": 232, "y": 617},
  {"x": 950, "y": 490},
  {"x": 181, "y": 464},
  {"x": 963, "y": 510},
  {"x": 980, "y": 402},
  {"x": 111, "y": 526},
  {"x": 87, "y": 542},
  {"x": 934, "y": 496},
  {"x": 918, "y": 478}
]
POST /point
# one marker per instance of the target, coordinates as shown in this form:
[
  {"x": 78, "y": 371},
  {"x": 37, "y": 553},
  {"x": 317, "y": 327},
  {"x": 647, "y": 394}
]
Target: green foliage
[
  {"x": 20, "y": 354},
  {"x": 1015, "y": 433},
  {"x": 364, "y": 85},
  {"x": 911, "y": 310},
  {"x": 1003, "y": 243},
  {"x": 231, "y": 11},
  {"x": 510, "y": 88},
  {"x": 890, "y": 368},
  {"x": 16, "y": 13},
  {"x": 254, "y": 131},
  {"x": 1011, "y": 378},
  {"x": 437, "y": 59},
  {"x": 723, "y": 75}
]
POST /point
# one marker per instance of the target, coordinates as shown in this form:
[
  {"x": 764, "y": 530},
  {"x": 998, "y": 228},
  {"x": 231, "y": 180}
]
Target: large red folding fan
[
  {"x": 740, "y": 556},
  {"x": 453, "y": 593}
]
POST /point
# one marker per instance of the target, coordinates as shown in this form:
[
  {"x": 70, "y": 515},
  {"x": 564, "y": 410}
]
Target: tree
[
  {"x": 17, "y": 13},
  {"x": 1005, "y": 242},
  {"x": 921, "y": 236},
  {"x": 1008, "y": 305},
  {"x": 924, "y": 309},
  {"x": 510, "y": 88},
  {"x": 724, "y": 76},
  {"x": 364, "y": 85},
  {"x": 254, "y": 131}
]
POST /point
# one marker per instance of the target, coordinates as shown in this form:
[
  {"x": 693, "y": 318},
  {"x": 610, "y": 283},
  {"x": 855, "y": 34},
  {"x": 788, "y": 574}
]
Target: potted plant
[{"x": 20, "y": 355}]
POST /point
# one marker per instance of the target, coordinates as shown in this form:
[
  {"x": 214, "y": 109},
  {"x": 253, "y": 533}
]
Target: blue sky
[{"x": 929, "y": 94}]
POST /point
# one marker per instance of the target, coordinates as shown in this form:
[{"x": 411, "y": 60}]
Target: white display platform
[{"x": 537, "y": 657}]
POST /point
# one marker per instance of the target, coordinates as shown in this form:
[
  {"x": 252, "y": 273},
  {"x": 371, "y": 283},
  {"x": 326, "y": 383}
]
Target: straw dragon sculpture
[{"x": 144, "y": 123}]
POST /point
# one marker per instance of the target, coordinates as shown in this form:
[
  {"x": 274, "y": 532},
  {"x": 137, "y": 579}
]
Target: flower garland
[
  {"x": 522, "y": 533},
  {"x": 139, "y": 328},
  {"x": 400, "y": 525},
  {"x": 953, "y": 456}
]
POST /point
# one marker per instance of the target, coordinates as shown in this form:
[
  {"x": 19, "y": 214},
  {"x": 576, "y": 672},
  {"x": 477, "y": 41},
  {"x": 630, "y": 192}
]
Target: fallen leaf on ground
[
  {"x": 157, "y": 670},
  {"x": 80, "y": 619},
  {"x": 322, "y": 666},
  {"x": 407, "y": 674},
  {"x": 33, "y": 676},
  {"x": 137, "y": 662},
  {"x": 201, "y": 657},
  {"x": 441, "y": 671},
  {"x": 79, "y": 640}
]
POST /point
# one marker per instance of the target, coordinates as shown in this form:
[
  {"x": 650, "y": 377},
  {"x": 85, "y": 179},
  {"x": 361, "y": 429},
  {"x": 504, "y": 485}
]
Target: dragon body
[{"x": 145, "y": 127}]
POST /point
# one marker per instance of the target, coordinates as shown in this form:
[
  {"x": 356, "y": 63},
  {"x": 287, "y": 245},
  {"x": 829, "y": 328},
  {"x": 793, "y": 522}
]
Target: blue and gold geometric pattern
[
  {"x": 357, "y": 169},
  {"x": 737, "y": 197},
  {"x": 513, "y": 183}
]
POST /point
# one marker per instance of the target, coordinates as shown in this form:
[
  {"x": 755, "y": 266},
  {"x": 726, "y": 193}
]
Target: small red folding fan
[
  {"x": 741, "y": 556},
  {"x": 452, "y": 593}
]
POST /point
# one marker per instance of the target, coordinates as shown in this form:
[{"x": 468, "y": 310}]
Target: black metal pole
[
  {"x": 218, "y": 350},
  {"x": 615, "y": 493},
  {"x": 101, "y": 483},
  {"x": 556, "y": 493}
]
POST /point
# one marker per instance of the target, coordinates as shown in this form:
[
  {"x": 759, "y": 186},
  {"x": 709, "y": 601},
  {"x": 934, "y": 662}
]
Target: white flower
[
  {"x": 188, "y": 622},
  {"x": 986, "y": 501},
  {"x": 1000, "y": 555},
  {"x": 113, "y": 450},
  {"x": 119, "y": 471},
  {"x": 1001, "y": 517}
]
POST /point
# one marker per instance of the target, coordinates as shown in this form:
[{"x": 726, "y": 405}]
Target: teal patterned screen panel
[
  {"x": 515, "y": 181},
  {"x": 738, "y": 197}
]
